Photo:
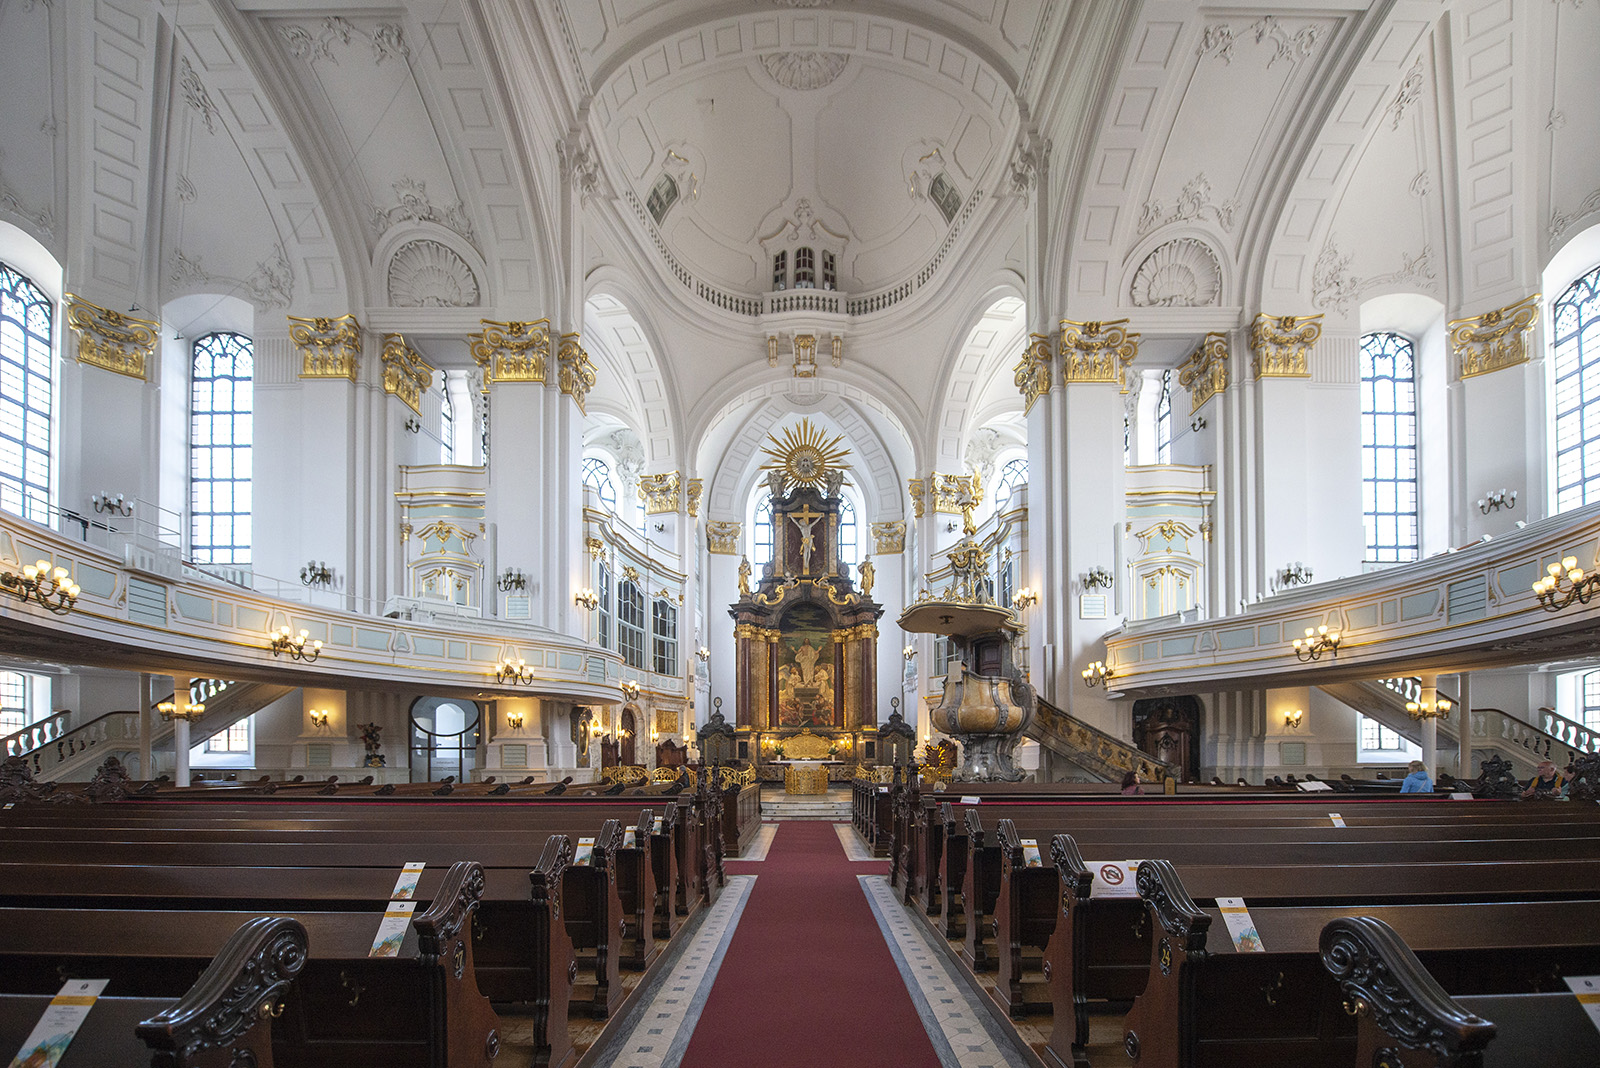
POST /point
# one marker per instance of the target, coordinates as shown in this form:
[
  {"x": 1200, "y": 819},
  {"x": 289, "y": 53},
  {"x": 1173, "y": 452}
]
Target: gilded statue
[
  {"x": 869, "y": 575},
  {"x": 744, "y": 576}
]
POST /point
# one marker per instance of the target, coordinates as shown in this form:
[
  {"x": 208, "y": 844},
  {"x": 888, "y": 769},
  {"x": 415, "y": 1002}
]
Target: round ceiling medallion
[{"x": 1182, "y": 273}]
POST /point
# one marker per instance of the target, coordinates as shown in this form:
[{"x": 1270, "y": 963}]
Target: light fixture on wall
[
  {"x": 1438, "y": 708},
  {"x": 1197, "y": 424},
  {"x": 170, "y": 711},
  {"x": 514, "y": 721},
  {"x": 50, "y": 588},
  {"x": 1553, "y": 597},
  {"x": 512, "y": 579},
  {"x": 317, "y": 574},
  {"x": 513, "y": 672},
  {"x": 703, "y": 653},
  {"x": 1097, "y": 674},
  {"x": 319, "y": 718},
  {"x": 104, "y": 502},
  {"x": 909, "y": 652},
  {"x": 413, "y": 426},
  {"x": 1496, "y": 500},
  {"x": 1292, "y": 718},
  {"x": 1315, "y": 643},
  {"x": 630, "y": 690},
  {"x": 1097, "y": 578},
  {"x": 1025, "y": 598},
  {"x": 1295, "y": 574},
  {"x": 298, "y": 646},
  {"x": 587, "y": 598}
]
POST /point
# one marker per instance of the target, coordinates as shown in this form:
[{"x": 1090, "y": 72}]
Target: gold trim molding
[
  {"x": 1097, "y": 351},
  {"x": 1494, "y": 340},
  {"x": 512, "y": 351},
  {"x": 888, "y": 538},
  {"x": 111, "y": 340},
  {"x": 722, "y": 537},
  {"x": 405, "y": 373},
  {"x": 329, "y": 348},
  {"x": 1205, "y": 373},
  {"x": 1032, "y": 374},
  {"x": 660, "y": 492},
  {"x": 574, "y": 371},
  {"x": 1280, "y": 345}
]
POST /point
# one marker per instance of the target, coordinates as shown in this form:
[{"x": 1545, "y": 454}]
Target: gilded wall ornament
[
  {"x": 722, "y": 537},
  {"x": 1096, "y": 351},
  {"x": 1033, "y": 370},
  {"x": 805, "y": 355},
  {"x": 1205, "y": 373},
  {"x": 918, "y": 490},
  {"x": 574, "y": 371},
  {"x": 329, "y": 348},
  {"x": 660, "y": 492},
  {"x": 697, "y": 489},
  {"x": 594, "y": 546},
  {"x": 888, "y": 538},
  {"x": 427, "y": 274},
  {"x": 512, "y": 351},
  {"x": 405, "y": 373},
  {"x": 1280, "y": 345},
  {"x": 111, "y": 340},
  {"x": 1495, "y": 339},
  {"x": 1183, "y": 273},
  {"x": 805, "y": 456},
  {"x": 955, "y": 494}
]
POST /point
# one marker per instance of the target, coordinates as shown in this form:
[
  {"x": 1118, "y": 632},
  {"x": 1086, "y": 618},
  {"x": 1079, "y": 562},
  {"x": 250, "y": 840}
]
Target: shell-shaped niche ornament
[
  {"x": 1183, "y": 273},
  {"x": 426, "y": 274}
]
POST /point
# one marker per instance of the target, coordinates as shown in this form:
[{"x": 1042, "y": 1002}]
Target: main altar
[{"x": 806, "y": 631}]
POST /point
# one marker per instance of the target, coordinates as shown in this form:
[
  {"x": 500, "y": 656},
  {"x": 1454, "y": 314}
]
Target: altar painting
[{"x": 805, "y": 668}]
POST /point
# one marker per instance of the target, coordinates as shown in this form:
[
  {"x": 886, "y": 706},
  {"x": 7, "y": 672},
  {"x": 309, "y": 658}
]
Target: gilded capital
[
  {"x": 918, "y": 490},
  {"x": 512, "y": 352},
  {"x": 111, "y": 340},
  {"x": 722, "y": 537},
  {"x": 594, "y": 546},
  {"x": 405, "y": 373},
  {"x": 697, "y": 488},
  {"x": 574, "y": 372},
  {"x": 954, "y": 494},
  {"x": 660, "y": 492},
  {"x": 1096, "y": 351},
  {"x": 1033, "y": 370},
  {"x": 1205, "y": 373},
  {"x": 1281, "y": 344},
  {"x": 1495, "y": 339},
  {"x": 889, "y": 537},
  {"x": 329, "y": 348}
]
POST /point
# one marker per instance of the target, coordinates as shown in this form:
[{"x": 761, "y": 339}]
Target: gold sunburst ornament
[{"x": 805, "y": 455}]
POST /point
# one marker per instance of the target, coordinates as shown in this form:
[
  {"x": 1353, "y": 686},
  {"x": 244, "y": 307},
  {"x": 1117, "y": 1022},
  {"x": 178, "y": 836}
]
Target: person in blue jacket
[{"x": 1417, "y": 782}]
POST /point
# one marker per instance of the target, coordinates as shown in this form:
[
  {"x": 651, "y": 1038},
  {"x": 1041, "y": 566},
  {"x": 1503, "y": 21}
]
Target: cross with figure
[{"x": 806, "y": 519}]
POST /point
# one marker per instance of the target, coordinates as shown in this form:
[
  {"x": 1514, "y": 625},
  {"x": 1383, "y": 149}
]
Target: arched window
[
  {"x": 1576, "y": 315},
  {"x": 761, "y": 531},
  {"x": 597, "y": 476},
  {"x": 447, "y": 427},
  {"x": 664, "y": 637},
  {"x": 780, "y": 270},
  {"x": 220, "y": 431},
  {"x": 1589, "y": 710},
  {"x": 1012, "y": 475},
  {"x": 630, "y": 624},
  {"x": 805, "y": 269},
  {"x": 849, "y": 533},
  {"x": 603, "y": 591},
  {"x": 1164, "y": 420},
  {"x": 27, "y": 322},
  {"x": 1389, "y": 447}
]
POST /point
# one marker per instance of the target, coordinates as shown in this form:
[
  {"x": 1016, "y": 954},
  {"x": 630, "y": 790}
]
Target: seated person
[
  {"x": 1130, "y": 784},
  {"x": 1417, "y": 781},
  {"x": 1546, "y": 781}
]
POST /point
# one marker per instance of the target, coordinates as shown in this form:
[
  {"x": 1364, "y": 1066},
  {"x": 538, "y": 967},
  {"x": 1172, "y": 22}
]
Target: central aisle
[{"x": 807, "y": 978}]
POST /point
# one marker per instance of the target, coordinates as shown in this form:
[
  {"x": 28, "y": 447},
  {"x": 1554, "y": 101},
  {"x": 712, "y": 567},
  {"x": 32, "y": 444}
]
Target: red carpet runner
[{"x": 808, "y": 979}]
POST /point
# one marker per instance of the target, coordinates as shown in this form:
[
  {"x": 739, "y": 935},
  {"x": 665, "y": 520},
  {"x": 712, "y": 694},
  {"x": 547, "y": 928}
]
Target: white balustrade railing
[
  {"x": 101, "y": 732},
  {"x": 1569, "y": 732}
]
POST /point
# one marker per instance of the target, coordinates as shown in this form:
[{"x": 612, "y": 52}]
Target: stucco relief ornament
[
  {"x": 722, "y": 536},
  {"x": 415, "y": 206},
  {"x": 387, "y": 41},
  {"x": 660, "y": 493},
  {"x": 195, "y": 95},
  {"x": 574, "y": 372},
  {"x": 804, "y": 71},
  {"x": 1032, "y": 373},
  {"x": 889, "y": 538},
  {"x": 1097, "y": 351},
  {"x": 1280, "y": 344},
  {"x": 511, "y": 351},
  {"x": 405, "y": 373},
  {"x": 1331, "y": 280},
  {"x": 1495, "y": 339},
  {"x": 329, "y": 348},
  {"x": 1182, "y": 273},
  {"x": 111, "y": 340},
  {"x": 1410, "y": 92},
  {"x": 426, "y": 274},
  {"x": 1193, "y": 202}
]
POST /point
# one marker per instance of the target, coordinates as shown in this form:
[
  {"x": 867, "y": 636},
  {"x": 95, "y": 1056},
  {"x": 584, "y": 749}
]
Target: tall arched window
[
  {"x": 447, "y": 427},
  {"x": 220, "y": 433},
  {"x": 630, "y": 624},
  {"x": 849, "y": 533},
  {"x": 1589, "y": 710},
  {"x": 597, "y": 476},
  {"x": 1164, "y": 420},
  {"x": 761, "y": 531},
  {"x": 1012, "y": 475},
  {"x": 1576, "y": 315},
  {"x": 27, "y": 321},
  {"x": 1389, "y": 447},
  {"x": 664, "y": 638}
]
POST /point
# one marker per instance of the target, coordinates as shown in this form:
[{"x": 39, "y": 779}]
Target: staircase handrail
[
  {"x": 42, "y": 732},
  {"x": 1494, "y": 725},
  {"x": 1100, "y": 745},
  {"x": 119, "y": 726},
  {"x": 1571, "y": 733}
]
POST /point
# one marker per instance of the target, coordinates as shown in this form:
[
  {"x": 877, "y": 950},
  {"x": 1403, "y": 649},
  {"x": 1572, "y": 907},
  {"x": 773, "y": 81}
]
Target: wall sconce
[
  {"x": 1197, "y": 424},
  {"x": 317, "y": 574},
  {"x": 1097, "y": 578},
  {"x": 170, "y": 711},
  {"x": 630, "y": 690},
  {"x": 587, "y": 598},
  {"x": 514, "y": 721},
  {"x": 1097, "y": 674},
  {"x": 1292, "y": 717},
  {"x": 512, "y": 579},
  {"x": 1315, "y": 643},
  {"x": 703, "y": 653},
  {"x": 104, "y": 502},
  {"x": 513, "y": 672},
  {"x": 1549, "y": 590},
  {"x": 1493, "y": 502},
  {"x": 1025, "y": 598},
  {"x": 50, "y": 589},
  {"x": 1437, "y": 709},
  {"x": 319, "y": 720},
  {"x": 909, "y": 652},
  {"x": 285, "y": 641},
  {"x": 412, "y": 425},
  {"x": 1295, "y": 574}
]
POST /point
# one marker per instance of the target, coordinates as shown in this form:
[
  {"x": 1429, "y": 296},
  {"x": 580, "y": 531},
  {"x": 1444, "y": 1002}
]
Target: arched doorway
[
  {"x": 444, "y": 738},
  {"x": 627, "y": 737}
]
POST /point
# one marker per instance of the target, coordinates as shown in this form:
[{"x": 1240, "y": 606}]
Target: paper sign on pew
[
  {"x": 1587, "y": 987},
  {"x": 1338, "y": 820},
  {"x": 1030, "y": 853},
  {"x": 630, "y": 838},
  {"x": 405, "y": 887},
  {"x": 1241, "y": 928},
  {"x": 56, "y": 1028},
  {"x": 1114, "y": 878},
  {"x": 970, "y": 799},
  {"x": 392, "y": 931},
  {"x": 584, "y": 854}
]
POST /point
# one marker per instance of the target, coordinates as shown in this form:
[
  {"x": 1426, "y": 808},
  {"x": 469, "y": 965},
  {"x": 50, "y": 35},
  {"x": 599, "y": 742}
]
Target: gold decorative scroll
[
  {"x": 660, "y": 492},
  {"x": 574, "y": 372},
  {"x": 889, "y": 537},
  {"x": 1280, "y": 345},
  {"x": 1494, "y": 340},
  {"x": 1205, "y": 373},
  {"x": 329, "y": 348},
  {"x": 111, "y": 340},
  {"x": 630, "y": 572},
  {"x": 405, "y": 373},
  {"x": 917, "y": 489},
  {"x": 697, "y": 489},
  {"x": 722, "y": 537},
  {"x": 1096, "y": 351},
  {"x": 1033, "y": 370},
  {"x": 594, "y": 546},
  {"x": 512, "y": 352}
]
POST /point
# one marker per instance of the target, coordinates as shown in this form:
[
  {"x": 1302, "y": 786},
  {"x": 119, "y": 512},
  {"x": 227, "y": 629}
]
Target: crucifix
[{"x": 805, "y": 519}]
